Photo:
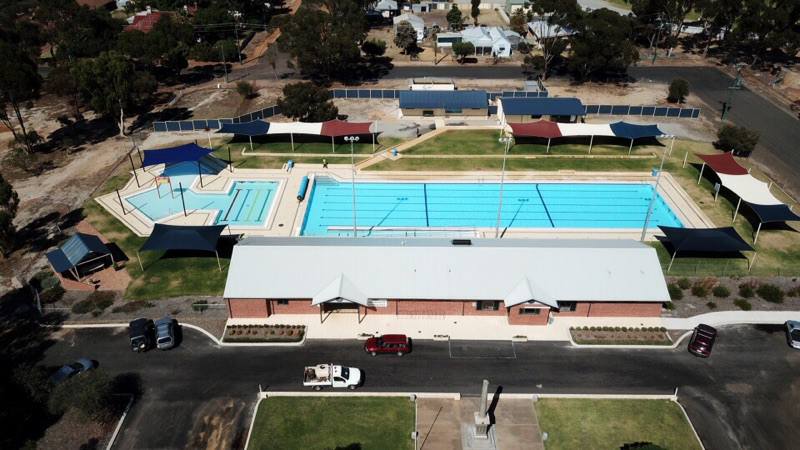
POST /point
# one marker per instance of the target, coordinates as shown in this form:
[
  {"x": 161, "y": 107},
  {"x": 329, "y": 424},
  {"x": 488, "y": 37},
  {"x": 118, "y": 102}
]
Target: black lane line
[
  {"x": 225, "y": 219},
  {"x": 544, "y": 205},
  {"x": 425, "y": 191}
]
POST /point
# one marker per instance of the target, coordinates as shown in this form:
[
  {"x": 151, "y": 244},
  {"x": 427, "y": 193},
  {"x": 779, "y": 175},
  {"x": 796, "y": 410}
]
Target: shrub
[
  {"x": 684, "y": 283},
  {"x": 669, "y": 306},
  {"x": 770, "y": 293},
  {"x": 90, "y": 394},
  {"x": 699, "y": 290},
  {"x": 625, "y": 329},
  {"x": 245, "y": 89},
  {"x": 740, "y": 140},
  {"x": 711, "y": 305},
  {"x": 743, "y": 304},
  {"x": 95, "y": 303},
  {"x": 721, "y": 291},
  {"x": 133, "y": 306},
  {"x": 746, "y": 290},
  {"x": 52, "y": 295},
  {"x": 678, "y": 90},
  {"x": 200, "y": 305},
  {"x": 675, "y": 293}
]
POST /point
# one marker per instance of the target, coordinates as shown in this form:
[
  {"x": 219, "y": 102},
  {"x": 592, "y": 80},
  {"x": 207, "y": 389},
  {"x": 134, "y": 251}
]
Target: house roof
[
  {"x": 543, "y": 29},
  {"x": 543, "y": 106},
  {"x": 513, "y": 270},
  {"x": 415, "y": 21},
  {"x": 443, "y": 99},
  {"x": 145, "y": 22},
  {"x": 94, "y": 4}
]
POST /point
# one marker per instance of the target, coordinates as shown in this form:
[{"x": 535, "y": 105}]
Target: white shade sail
[
  {"x": 585, "y": 129},
  {"x": 749, "y": 189}
]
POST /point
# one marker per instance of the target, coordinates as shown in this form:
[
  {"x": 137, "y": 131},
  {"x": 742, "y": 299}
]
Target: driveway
[{"x": 744, "y": 396}]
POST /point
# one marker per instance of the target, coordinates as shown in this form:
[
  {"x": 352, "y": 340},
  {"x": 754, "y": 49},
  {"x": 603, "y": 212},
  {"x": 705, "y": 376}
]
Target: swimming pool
[
  {"x": 381, "y": 207},
  {"x": 247, "y": 203}
]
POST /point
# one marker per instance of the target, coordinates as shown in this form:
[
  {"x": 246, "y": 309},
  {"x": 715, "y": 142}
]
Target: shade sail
[
  {"x": 749, "y": 189},
  {"x": 541, "y": 129},
  {"x": 773, "y": 213},
  {"x": 635, "y": 131},
  {"x": 709, "y": 240},
  {"x": 173, "y": 155},
  {"x": 585, "y": 129},
  {"x": 337, "y": 128},
  {"x": 542, "y": 106},
  {"x": 181, "y": 237},
  {"x": 723, "y": 164},
  {"x": 254, "y": 128},
  {"x": 75, "y": 250},
  {"x": 295, "y": 128}
]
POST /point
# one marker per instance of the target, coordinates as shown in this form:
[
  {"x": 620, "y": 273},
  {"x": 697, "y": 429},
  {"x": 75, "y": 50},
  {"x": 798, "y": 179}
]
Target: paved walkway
[{"x": 731, "y": 318}]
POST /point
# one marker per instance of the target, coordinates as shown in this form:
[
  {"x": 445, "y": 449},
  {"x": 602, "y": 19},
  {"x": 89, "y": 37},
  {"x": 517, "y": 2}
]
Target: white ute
[{"x": 324, "y": 375}]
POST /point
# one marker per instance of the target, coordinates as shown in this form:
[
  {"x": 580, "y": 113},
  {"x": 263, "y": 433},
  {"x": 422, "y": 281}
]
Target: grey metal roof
[
  {"x": 543, "y": 106},
  {"x": 547, "y": 270},
  {"x": 75, "y": 250},
  {"x": 443, "y": 99}
]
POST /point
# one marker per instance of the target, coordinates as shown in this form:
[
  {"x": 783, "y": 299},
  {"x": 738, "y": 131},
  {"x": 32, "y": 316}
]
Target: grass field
[
  {"x": 610, "y": 424},
  {"x": 320, "y": 423}
]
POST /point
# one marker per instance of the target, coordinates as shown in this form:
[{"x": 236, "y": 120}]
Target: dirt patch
[
  {"x": 219, "y": 424},
  {"x": 691, "y": 305},
  {"x": 72, "y": 431}
]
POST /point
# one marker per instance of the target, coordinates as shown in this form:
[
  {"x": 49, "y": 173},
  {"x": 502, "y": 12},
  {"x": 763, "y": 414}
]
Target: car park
[
  {"x": 142, "y": 334},
  {"x": 702, "y": 341},
  {"x": 68, "y": 371},
  {"x": 398, "y": 344},
  {"x": 165, "y": 333},
  {"x": 793, "y": 333}
]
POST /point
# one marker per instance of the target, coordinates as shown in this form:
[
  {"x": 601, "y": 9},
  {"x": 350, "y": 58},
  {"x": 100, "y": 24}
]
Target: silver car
[
  {"x": 793, "y": 333},
  {"x": 165, "y": 333}
]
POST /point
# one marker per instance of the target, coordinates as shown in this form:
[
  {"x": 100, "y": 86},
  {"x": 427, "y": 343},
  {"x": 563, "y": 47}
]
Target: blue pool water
[
  {"x": 383, "y": 206},
  {"x": 247, "y": 203}
]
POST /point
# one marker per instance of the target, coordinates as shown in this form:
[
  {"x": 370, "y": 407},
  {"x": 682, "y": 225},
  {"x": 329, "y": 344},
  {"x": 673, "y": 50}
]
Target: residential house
[
  {"x": 415, "y": 21},
  {"x": 491, "y": 41},
  {"x": 144, "y": 21},
  {"x": 541, "y": 30}
]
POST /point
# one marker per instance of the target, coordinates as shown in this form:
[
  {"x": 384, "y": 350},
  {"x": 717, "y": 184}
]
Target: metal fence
[
  {"x": 519, "y": 94},
  {"x": 644, "y": 111},
  {"x": 369, "y": 94},
  {"x": 214, "y": 124}
]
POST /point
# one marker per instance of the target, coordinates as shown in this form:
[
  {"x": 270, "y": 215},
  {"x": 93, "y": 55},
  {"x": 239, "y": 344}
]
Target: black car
[
  {"x": 702, "y": 340},
  {"x": 142, "y": 333}
]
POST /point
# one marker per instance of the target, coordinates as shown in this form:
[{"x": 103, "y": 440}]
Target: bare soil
[
  {"x": 691, "y": 305},
  {"x": 219, "y": 424}
]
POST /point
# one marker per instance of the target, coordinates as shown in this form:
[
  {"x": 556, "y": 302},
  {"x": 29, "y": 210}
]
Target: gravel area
[{"x": 692, "y": 305}]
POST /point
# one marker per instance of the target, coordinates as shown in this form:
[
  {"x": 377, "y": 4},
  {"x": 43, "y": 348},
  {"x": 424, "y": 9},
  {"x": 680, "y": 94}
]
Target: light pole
[
  {"x": 507, "y": 141},
  {"x": 352, "y": 140},
  {"x": 655, "y": 190},
  {"x": 267, "y": 7}
]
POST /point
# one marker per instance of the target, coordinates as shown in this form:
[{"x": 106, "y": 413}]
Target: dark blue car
[{"x": 70, "y": 370}]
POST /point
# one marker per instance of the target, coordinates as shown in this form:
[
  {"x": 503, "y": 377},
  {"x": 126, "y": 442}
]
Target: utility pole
[
  {"x": 224, "y": 63},
  {"x": 507, "y": 141},
  {"x": 655, "y": 190},
  {"x": 736, "y": 86}
]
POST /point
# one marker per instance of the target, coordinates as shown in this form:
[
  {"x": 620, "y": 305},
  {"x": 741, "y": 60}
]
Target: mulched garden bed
[
  {"x": 264, "y": 333},
  {"x": 620, "y": 336},
  {"x": 697, "y": 295}
]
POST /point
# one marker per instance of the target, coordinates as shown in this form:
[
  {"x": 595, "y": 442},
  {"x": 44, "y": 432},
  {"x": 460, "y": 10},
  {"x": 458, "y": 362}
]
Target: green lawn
[
  {"x": 364, "y": 423},
  {"x": 305, "y": 147},
  {"x": 610, "y": 424},
  {"x": 494, "y": 164}
]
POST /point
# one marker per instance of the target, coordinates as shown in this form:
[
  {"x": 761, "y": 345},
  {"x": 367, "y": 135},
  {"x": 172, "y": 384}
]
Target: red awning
[
  {"x": 724, "y": 164},
  {"x": 336, "y": 128},
  {"x": 542, "y": 129}
]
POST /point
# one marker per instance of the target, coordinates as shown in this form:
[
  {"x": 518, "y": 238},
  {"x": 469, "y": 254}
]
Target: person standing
[{"x": 324, "y": 163}]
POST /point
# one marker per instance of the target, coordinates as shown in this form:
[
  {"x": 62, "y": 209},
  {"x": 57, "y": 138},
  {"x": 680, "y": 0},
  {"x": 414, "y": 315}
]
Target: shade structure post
[
  {"x": 121, "y": 205},
  {"x": 208, "y": 134},
  {"x": 130, "y": 157},
  {"x": 653, "y": 198},
  {"x": 701, "y": 173},
  {"x": 630, "y": 147},
  {"x": 139, "y": 258},
  {"x": 200, "y": 172},
  {"x": 251, "y": 142},
  {"x": 218, "y": 263},
  {"x": 373, "y": 142},
  {"x": 183, "y": 202},
  {"x": 548, "y": 145},
  {"x": 736, "y": 212},
  {"x": 752, "y": 261},
  {"x": 671, "y": 145},
  {"x": 591, "y": 141},
  {"x": 755, "y": 238},
  {"x": 333, "y": 149},
  {"x": 141, "y": 161},
  {"x": 230, "y": 160},
  {"x": 291, "y": 140},
  {"x": 685, "y": 157},
  {"x": 672, "y": 260},
  {"x": 507, "y": 141}
]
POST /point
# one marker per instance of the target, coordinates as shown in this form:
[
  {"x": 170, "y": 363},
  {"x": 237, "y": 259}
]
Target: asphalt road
[{"x": 744, "y": 396}]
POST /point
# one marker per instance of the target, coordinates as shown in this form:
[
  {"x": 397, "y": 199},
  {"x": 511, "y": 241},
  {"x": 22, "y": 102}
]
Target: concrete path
[{"x": 732, "y": 318}]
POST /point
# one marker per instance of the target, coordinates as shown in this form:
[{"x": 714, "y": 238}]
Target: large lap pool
[{"x": 392, "y": 208}]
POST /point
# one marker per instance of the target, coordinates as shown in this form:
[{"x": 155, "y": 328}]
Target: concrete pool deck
[{"x": 287, "y": 213}]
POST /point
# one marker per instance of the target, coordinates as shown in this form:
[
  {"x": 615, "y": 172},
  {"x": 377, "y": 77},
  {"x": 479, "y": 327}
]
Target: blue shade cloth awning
[
  {"x": 773, "y": 213},
  {"x": 543, "y": 106},
  {"x": 635, "y": 131},
  {"x": 173, "y": 155},
  {"x": 254, "y": 128},
  {"x": 444, "y": 100},
  {"x": 709, "y": 240},
  {"x": 180, "y": 237},
  {"x": 75, "y": 250}
]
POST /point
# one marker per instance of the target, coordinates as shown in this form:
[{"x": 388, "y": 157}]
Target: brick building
[{"x": 525, "y": 280}]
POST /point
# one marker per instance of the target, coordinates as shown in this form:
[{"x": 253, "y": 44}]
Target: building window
[
  {"x": 488, "y": 305},
  {"x": 427, "y": 113},
  {"x": 528, "y": 311},
  {"x": 567, "y": 306},
  {"x": 283, "y": 302},
  {"x": 453, "y": 110},
  {"x": 377, "y": 302}
]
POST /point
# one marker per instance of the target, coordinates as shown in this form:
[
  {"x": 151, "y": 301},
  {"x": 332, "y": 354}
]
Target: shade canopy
[
  {"x": 749, "y": 189},
  {"x": 173, "y": 155},
  {"x": 724, "y": 164},
  {"x": 254, "y": 128},
  {"x": 773, "y": 213},
  {"x": 635, "y": 131},
  {"x": 585, "y": 129},
  {"x": 708, "y": 240},
  {"x": 76, "y": 250},
  {"x": 541, "y": 129},
  {"x": 337, "y": 128},
  {"x": 182, "y": 237}
]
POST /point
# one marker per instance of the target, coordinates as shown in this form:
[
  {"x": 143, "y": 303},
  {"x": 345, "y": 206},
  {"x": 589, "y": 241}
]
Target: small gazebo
[{"x": 80, "y": 256}]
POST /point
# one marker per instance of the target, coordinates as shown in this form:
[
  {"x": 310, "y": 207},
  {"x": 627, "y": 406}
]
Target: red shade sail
[
  {"x": 337, "y": 128},
  {"x": 542, "y": 129},
  {"x": 724, "y": 164}
]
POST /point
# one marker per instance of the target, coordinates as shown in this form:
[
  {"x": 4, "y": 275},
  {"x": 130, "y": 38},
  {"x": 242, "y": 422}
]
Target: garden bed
[
  {"x": 620, "y": 336},
  {"x": 264, "y": 333}
]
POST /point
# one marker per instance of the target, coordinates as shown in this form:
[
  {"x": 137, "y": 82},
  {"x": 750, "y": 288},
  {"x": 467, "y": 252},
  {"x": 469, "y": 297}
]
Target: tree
[
  {"x": 454, "y": 18},
  {"x": 602, "y": 45},
  {"x": 19, "y": 83},
  {"x": 324, "y": 37},
  {"x": 554, "y": 15},
  {"x": 61, "y": 81},
  {"x": 668, "y": 14},
  {"x": 110, "y": 84},
  {"x": 475, "y": 11},
  {"x": 373, "y": 48},
  {"x": 272, "y": 59},
  {"x": 405, "y": 37},
  {"x": 9, "y": 200},
  {"x": 79, "y": 31},
  {"x": 89, "y": 393},
  {"x": 678, "y": 90},
  {"x": 740, "y": 140},
  {"x": 518, "y": 22},
  {"x": 245, "y": 89},
  {"x": 462, "y": 50},
  {"x": 523, "y": 47},
  {"x": 307, "y": 102}
]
